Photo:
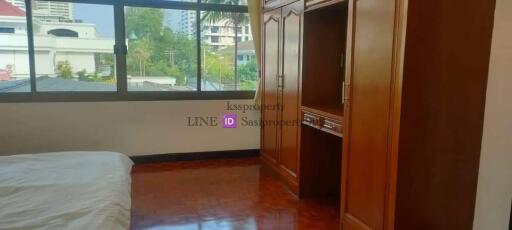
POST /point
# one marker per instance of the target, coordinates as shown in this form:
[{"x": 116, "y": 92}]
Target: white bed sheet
[{"x": 66, "y": 190}]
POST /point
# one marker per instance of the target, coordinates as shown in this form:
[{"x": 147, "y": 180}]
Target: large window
[
  {"x": 14, "y": 58},
  {"x": 74, "y": 47},
  {"x": 162, "y": 49},
  {"x": 81, "y": 50},
  {"x": 224, "y": 66}
]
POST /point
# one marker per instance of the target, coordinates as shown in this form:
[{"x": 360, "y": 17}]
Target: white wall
[
  {"x": 134, "y": 128},
  {"x": 84, "y": 30},
  {"x": 78, "y": 61},
  {"x": 494, "y": 193},
  {"x": 18, "y": 59}
]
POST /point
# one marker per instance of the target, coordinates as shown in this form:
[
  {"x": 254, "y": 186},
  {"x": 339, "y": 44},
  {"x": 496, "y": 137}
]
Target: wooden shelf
[
  {"x": 319, "y": 4},
  {"x": 335, "y": 114}
]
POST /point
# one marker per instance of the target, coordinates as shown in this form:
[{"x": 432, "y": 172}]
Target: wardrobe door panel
[
  {"x": 365, "y": 176},
  {"x": 271, "y": 71},
  {"x": 292, "y": 21}
]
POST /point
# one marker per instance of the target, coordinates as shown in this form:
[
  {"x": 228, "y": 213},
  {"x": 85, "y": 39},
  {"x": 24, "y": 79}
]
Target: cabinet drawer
[
  {"x": 311, "y": 119},
  {"x": 332, "y": 128}
]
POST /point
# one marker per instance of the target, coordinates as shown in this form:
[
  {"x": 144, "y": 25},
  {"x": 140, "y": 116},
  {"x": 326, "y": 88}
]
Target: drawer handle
[
  {"x": 329, "y": 126},
  {"x": 308, "y": 118}
]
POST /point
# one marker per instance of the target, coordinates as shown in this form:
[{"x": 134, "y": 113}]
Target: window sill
[{"x": 123, "y": 96}]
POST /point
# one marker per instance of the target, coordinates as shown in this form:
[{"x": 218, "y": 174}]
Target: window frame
[{"x": 120, "y": 52}]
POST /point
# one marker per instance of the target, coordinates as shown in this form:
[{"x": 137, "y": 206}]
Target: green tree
[
  {"x": 249, "y": 71},
  {"x": 234, "y": 19},
  {"x": 218, "y": 66},
  {"x": 155, "y": 50},
  {"x": 143, "y": 22},
  {"x": 82, "y": 75},
  {"x": 64, "y": 70},
  {"x": 141, "y": 51}
]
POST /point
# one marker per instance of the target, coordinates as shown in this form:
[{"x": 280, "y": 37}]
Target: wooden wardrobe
[
  {"x": 389, "y": 98},
  {"x": 281, "y": 46}
]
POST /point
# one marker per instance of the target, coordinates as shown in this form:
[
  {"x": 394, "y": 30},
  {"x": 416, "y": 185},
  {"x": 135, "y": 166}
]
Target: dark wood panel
[
  {"x": 321, "y": 163},
  {"x": 365, "y": 163},
  {"x": 173, "y": 157},
  {"x": 324, "y": 51},
  {"x": 271, "y": 70},
  {"x": 444, "y": 86},
  {"x": 292, "y": 25}
]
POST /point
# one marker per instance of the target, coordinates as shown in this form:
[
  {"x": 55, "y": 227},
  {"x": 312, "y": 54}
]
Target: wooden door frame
[{"x": 400, "y": 26}]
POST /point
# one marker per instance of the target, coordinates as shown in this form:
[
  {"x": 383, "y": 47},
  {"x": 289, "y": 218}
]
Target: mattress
[{"x": 66, "y": 190}]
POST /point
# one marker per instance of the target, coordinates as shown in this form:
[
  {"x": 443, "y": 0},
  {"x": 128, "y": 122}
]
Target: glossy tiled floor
[{"x": 221, "y": 194}]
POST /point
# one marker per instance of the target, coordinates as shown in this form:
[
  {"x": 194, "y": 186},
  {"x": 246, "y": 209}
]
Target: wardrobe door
[
  {"x": 271, "y": 71},
  {"x": 289, "y": 82},
  {"x": 365, "y": 178}
]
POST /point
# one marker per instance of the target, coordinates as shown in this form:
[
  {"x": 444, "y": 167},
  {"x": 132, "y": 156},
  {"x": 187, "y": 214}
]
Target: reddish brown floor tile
[{"x": 221, "y": 194}]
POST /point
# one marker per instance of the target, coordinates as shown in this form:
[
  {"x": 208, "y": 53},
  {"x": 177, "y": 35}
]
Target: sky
[{"x": 101, "y": 15}]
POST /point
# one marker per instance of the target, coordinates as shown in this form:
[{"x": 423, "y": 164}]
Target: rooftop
[{"x": 7, "y": 9}]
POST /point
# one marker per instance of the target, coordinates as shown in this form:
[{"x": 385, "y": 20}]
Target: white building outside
[{"x": 80, "y": 49}]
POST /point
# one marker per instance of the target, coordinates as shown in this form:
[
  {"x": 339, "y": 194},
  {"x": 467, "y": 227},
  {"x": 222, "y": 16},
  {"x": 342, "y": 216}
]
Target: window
[
  {"x": 7, "y": 30},
  {"x": 14, "y": 59},
  {"x": 224, "y": 68},
  {"x": 90, "y": 50},
  {"x": 74, "y": 51},
  {"x": 63, "y": 33},
  {"x": 161, "y": 55}
]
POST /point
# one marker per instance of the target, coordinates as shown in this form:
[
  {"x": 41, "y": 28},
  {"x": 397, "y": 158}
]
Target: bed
[{"x": 65, "y": 190}]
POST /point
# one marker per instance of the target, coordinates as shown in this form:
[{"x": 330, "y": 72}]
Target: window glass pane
[
  {"x": 232, "y": 46},
  {"x": 180, "y": 0},
  {"x": 162, "y": 49},
  {"x": 14, "y": 62},
  {"x": 74, "y": 46},
  {"x": 227, "y": 2}
]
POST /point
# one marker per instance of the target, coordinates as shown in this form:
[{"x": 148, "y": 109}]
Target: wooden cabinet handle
[
  {"x": 280, "y": 81},
  {"x": 329, "y": 126},
  {"x": 346, "y": 91}
]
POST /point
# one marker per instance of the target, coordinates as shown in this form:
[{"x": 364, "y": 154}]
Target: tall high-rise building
[
  {"x": 222, "y": 33},
  {"x": 186, "y": 23},
  {"x": 47, "y": 9},
  {"x": 52, "y": 10}
]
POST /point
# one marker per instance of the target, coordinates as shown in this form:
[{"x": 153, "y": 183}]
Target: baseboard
[{"x": 172, "y": 157}]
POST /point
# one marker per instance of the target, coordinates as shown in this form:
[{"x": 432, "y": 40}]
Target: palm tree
[
  {"x": 142, "y": 51},
  {"x": 234, "y": 19}
]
